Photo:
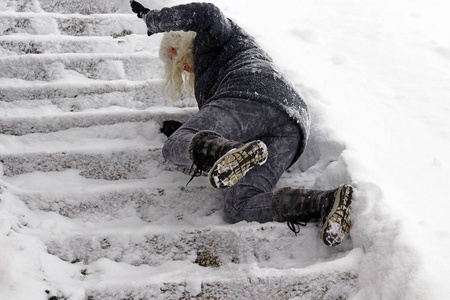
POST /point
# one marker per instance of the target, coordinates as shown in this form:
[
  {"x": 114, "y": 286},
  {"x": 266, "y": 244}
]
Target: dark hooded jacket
[{"x": 228, "y": 63}]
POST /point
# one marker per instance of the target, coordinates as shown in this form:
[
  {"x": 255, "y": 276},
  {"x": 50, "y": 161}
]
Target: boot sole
[
  {"x": 337, "y": 224},
  {"x": 233, "y": 165}
]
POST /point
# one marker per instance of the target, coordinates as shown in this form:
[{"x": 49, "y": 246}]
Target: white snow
[{"x": 376, "y": 76}]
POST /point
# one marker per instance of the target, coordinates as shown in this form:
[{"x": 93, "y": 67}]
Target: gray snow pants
[{"x": 243, "y": 120}]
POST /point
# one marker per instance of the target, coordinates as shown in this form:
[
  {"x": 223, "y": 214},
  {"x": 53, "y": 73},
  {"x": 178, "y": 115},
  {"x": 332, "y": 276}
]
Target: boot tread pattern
[
  {"x": 337, "y": 224},
  {"x": 232, "y": 167}
]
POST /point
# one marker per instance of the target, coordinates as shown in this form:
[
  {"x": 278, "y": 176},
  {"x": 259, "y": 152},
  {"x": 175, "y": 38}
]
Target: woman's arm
[{"x": 211, "y": 26}]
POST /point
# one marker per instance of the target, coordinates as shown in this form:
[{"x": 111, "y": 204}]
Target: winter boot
[
  {"x": 299, "y": 206},
  {"x": 227, "y": 161}
]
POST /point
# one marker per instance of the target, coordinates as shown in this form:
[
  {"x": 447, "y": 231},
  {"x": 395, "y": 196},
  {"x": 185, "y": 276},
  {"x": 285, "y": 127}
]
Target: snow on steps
[
  {"x": 118, "y": 151},
  {"x": 114, "y": 25},
  {"x": 69, "y": 6},
  {"x": 222, "y": 245},
  {"x": 101, "y": 66},
  {"x": 258, "y": 285},
  {"x": 76, "y": 197},
  {"x": 116, "y": 165},
  {"x": 84, "y": 173},
  {"x": 232, "y": 253},
  {"x": 154, "y": 230},
  {"x": 85, "y": 7},
  {"x": 14, "y": 89},
  {"x": 53, "y": 119},
  {"x": 55, "y": 43}
]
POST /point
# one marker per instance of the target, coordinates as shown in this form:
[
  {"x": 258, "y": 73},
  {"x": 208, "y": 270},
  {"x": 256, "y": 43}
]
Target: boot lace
[
  {"x": 294, "y": 225},
  {"x": 199, "y": 166},
  {"x": 294, "y": 222},
  {"x": 196, "y": 171}
]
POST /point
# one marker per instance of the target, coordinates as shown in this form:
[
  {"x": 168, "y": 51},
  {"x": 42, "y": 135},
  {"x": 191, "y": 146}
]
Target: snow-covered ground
[{"x": 89, "y": 210}]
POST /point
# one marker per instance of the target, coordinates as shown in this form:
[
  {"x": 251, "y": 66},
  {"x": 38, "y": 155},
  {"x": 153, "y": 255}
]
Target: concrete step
[
  {"x": 71, "y": 6},
  {"x": 114, "y": 25},
  {"x": 181, "y": 281},
  {"x": 16, "y": 44},
  {"x": 85, "y": 7},
  {"x": 158, "y": 196},
  {"x": 20, "y": 6},
  {"x": 148, "y": 91},
  {"x": 176, "y": 238},
  {"x": 122, "y": 164},
  {"x": 48, "y": 118},
  {"x": 98, "y": 66},
  {"x": 118, "y": 151},
  {"x": 266, "y": 245}
]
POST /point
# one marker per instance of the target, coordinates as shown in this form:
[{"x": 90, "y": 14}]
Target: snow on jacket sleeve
[{"x": 211, "y": 26}]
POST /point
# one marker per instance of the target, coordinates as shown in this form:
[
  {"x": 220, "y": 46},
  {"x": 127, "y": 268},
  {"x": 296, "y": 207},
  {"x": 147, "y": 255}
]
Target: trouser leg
[
  {"x": 236, "y": 120},
  {"x": 251, "y": 198}
]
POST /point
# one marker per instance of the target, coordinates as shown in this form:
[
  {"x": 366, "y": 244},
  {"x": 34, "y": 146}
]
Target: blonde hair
[{"x": 176, "y": 79}]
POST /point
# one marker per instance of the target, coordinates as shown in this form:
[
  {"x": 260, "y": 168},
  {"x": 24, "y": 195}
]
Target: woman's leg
[
  {"x": 251, "y": 198},
  {"x": 243, "y": 121}
]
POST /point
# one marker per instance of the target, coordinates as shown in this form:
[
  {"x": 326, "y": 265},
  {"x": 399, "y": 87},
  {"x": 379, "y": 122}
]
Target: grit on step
[
  {"x": 101, "y": 66},
  {"x": 70, "y": 24},
  {"x": 51, "y": 118},
  {"x": 290, "y": 285},
  {"x": 127, "y": 164},
  {"x": 268, "y": 245}
]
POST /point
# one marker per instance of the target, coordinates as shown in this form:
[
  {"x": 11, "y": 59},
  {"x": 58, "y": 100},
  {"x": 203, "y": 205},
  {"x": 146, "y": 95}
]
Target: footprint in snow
[
  {"x": 445, "y": 52},
  {"x": 306, "y": 35},
  {"x": 339, "y": 60}
]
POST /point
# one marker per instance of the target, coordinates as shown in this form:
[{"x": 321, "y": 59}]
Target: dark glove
[
  {"x": 138, "y": 8},
  {"x": 169, "y": 127}
]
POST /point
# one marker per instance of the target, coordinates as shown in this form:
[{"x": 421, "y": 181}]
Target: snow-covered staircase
[{"x": 85, "y": 185}]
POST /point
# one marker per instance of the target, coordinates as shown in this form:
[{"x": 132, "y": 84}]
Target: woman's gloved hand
[
  {"x": 169, "y": 127},
  {"x": 138, "y": 8}
]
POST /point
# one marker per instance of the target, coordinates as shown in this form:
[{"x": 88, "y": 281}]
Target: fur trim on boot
[{"x": 299, "y": 206}]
